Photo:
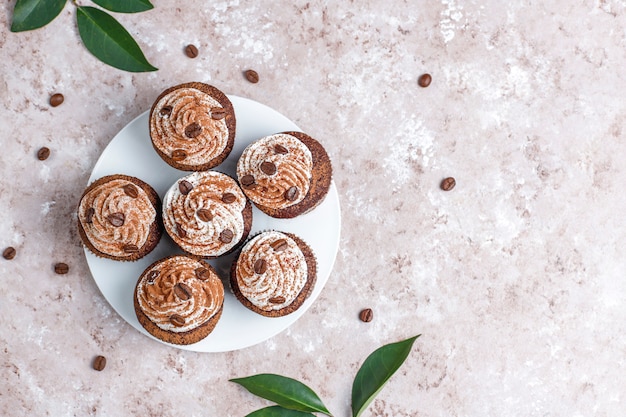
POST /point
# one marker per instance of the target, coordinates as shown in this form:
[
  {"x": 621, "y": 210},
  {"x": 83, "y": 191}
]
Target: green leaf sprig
[
  {"x": 100, "y": 32},
  {"x": 295, "y": 399}
]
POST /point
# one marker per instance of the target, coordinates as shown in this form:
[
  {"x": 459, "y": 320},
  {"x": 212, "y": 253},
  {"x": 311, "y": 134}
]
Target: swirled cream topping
[
  {"x": 271, "y": 271},
  {"x": 116, "y": 217},
  {"x": 189, "y": 126},
  {"x": 203, "y": 213},
  {"x": 275, "y": 171},
  {"x": 179, "y": 294}
]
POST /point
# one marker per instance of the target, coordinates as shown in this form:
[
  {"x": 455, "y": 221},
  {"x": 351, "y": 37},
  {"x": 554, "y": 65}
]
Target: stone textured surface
[{"x": 515, "y": 278}]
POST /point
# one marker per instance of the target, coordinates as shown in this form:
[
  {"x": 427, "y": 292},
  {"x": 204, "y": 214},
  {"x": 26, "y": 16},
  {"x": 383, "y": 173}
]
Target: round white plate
[{"x": 131, "y": 153}]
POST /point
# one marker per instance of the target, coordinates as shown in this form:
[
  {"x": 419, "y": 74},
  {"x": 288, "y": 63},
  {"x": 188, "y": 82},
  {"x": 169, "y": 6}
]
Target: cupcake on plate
[
  {"x": 179, "y": 299},
  {"x": 119, "y": 218},
  {"x": 274, "y": 273},
  {"x": 192, "y": 126},
  {"x": 207, "y": 214},
  {"x": 286, "y": 174}
]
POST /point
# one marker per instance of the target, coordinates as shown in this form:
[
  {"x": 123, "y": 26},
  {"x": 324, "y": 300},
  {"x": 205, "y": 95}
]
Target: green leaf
[
  {"x": 125, "y": 6},
  {"x": 278, "y": 411},
  {"x": 108, "y": 41},
  {"x": 284, "y": 391},
  {"x": 376, "y": 371},
  {"x": 33, "y": 14}
]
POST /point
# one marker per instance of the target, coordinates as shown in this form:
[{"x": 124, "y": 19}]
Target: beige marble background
[{"x": 515, "y": 278}]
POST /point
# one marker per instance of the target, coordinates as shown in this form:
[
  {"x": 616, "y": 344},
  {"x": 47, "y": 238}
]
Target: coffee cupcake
[
  {"x": 119, "y": 218},
  {"x": 286, "y": 174},
  {"x": 179, "y": 299},
  {"x": 274, "y": 273},
  {"x": 192, "y": 126},
  {"x": 207, "y": 214}
]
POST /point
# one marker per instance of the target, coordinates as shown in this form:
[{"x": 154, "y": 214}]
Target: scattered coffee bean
[
  {"x": 193, "y": 130},
  {"x": 247, "y": 180},
  {"x": 185, "y": 187},
  {"x": 226, "y": 236},
  {"x": 152, "y": 275},
  {"x": 366, "y": 315},
  {"x": 268, "y": 168},
  {"x": 179, "y": 155},
  {"x": 166, "y": 111},
  {"x": 292, "y": 193},
  {"x": 279, "y": 245},
  {"x": 260, "y": 266},
  {"x": 182, "y": 291},
  {"x": 447, "y": 184},
  {"x": 204, "y": 215},
  {"x": 218, "y": 113},
  {"x": 9, "y": 253},
  {"x": 61, "y": 268},
  {"x": 99, "y": 363},
  {"x": 229, "y": 198},
  {"x": 116, "y": 219},
  {"x": 89, "y": 216},
  {"x": 43, "y": 153},
  {"x": 277, "y": 300},
  {"x": 191, "y": 51},
  {"x": 177, "y": 320},
  {"x": 131, "y": 191},
  {"x": 130, "y": 248},
  {"x": 202, "y": 273},
  {"x": 280, "y": 149},
  {"x": 56, "y": 99},
  {"x": 252, "y": 76},
  {"x": 182, "y": 233},
  {"x": 424, "y": 80}
]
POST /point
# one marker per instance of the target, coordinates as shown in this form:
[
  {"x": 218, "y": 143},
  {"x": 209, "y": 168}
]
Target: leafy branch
[
  {"x": 295, "y": 399},
  {"x": 100, "y": 32}
]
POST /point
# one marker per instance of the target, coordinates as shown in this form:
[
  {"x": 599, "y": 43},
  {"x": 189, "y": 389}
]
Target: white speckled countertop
[{"x": 515, "y": 278}]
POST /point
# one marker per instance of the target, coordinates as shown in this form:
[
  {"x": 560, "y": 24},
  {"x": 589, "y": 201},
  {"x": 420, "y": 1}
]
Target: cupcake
[
  {"x": 192, "y": 126},
  {"x": 286, "y": 174},
  {"x": 274, "y": 273},
  {"x": 119, "y": 218},
  {"x": 179, "y": 299},
  {"x": 207, "y": 214}
]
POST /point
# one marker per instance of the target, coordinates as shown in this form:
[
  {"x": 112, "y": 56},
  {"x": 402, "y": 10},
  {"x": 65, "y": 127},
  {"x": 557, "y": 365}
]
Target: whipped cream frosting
[
  {"x": 117, "y": 215},
  {"x": 160, "y": 297},
  {"x": 184, "y": 120},
  {"x": 292, "y": 162},
  {"x": 284, "y": 275},
  {"x": 201, "y": 220}
]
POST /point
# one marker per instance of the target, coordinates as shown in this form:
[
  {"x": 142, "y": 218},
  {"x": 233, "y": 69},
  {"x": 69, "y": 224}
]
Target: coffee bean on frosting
[
  {"x": 424, "y": 80},
  {"x": 292, "y": 193},
  {"x": 252, "y": 76},
  {"x": 130, "y": 248},
  {"x": 366, "y": 315},
  {"x": 116, "y": 219},
  {"x": 165, "y": 111},
  {"x": 260, "y": 266},
  {"x": 191, "y": 51},
  {"x": 89, "y": 216},
  {"x": 277, "y": 300},
  {"x": 152, "y": 275},
  {"x": 9, "y": 253},
  {"x": 279, "y": 245},
  {"x": 182, "y": 291},
  {"x": 177, "y": 320},
  {"x": 447, "y": 184},
  {"x": 226, "y": 236},
  {"x": 178, "y": 154},
  {"x": 204, "y": 215},
  {"x": 218, "y": 113},
  {"x": 229, "y": 198},
  {"x": 43, "y": 153},
  {"x": 193, "y": 130},
  {"x": 247, "y": 180},
  {"x": 131, "y": 191},
  {"x": 202, "y": 273},
  {"x": 185, "y": 187},
  {"x": 182, "y": 233},
  {"x": 56, "y": 99},
  {"x": 99, "y": 363},
  {"x": 280, "y": 149},
  {"x": 268, "y": 168},
  {"x": 61, "y": 268}
]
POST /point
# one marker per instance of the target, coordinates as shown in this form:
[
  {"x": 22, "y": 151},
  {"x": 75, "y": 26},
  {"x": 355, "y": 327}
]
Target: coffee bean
[
  {"x": 43, "y": 153},
  {"x": 177, "y": 320},
  {"x": 277, "y": 300},
  {"x": 292, "y": 193},
  {"x": 260, "y": 266},
  {"x": 447, "y": 184},
  {"x": 252, "y": 76},
  {"x": 202, "y": 273},
  {"x": 9, "y": 253},
  {"x": 226, "y": 236},
  {"x": 366, "y": 315},
  {"x": 131, "y": 191},
  {"x": 185, "y": 187},
  {"x": 179, "y": 154},
  {"x": 99, "y": 363},
  {"x": 56, "y": 99},
  {"x": 130, "y": 248},
  {"x": 61, "y": 268},
  {"x": 280, "y": 149},
  {"x": 279, "y": 245},
  {"x": 182, "y": 291},
  {"x": 218, "y": 113},
  {"x": 193, "y": 130},
  {"x": 182, "y": 233},
  {"x": 247, "y": 180},
  {"x": 89, "y": 216},
  {"x": 116, "y": 219},
  {"x": 268, "y": 168},
  {"x": 152, "y": 275},
  {"x": 424, "y": 80},
  {"x": 204, "y": 215},
  {"x": 166, "y": 111},
  {"x": 191, "y": 51},
  {"x": 229, "y": 198}
]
